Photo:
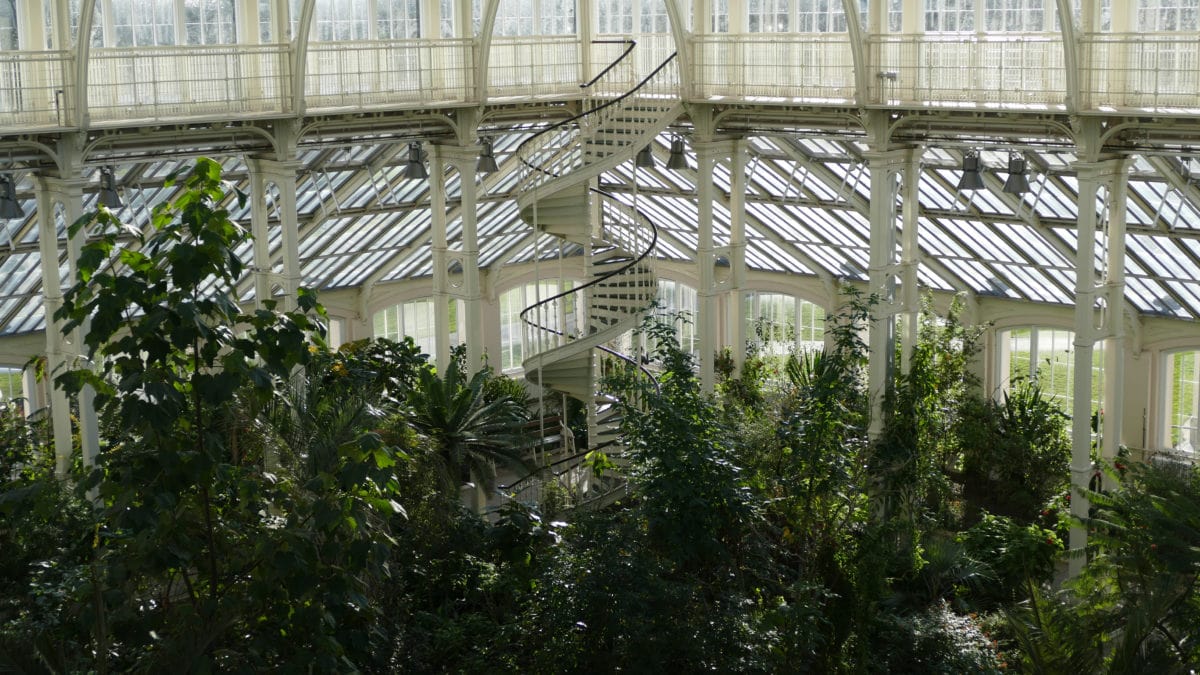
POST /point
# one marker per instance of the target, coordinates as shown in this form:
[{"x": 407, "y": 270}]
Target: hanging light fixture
[
  {"x": 1016, "y": 183},
  {"x": 415, "y": 169},
  {"x": 971, "y": 179},
  {"x": 10, "y": 208},
  {"x": 487, "y": 158},
  {"x": 645, "y": 158},
  {"x": 678, "y": 157},
  {"x": 108, "y": 189}
]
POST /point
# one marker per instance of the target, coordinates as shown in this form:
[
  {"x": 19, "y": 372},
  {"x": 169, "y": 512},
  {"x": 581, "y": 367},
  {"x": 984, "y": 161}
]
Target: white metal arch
[
  {"x": 83, "y": 50},
  {"x": 300, "y": 42}
]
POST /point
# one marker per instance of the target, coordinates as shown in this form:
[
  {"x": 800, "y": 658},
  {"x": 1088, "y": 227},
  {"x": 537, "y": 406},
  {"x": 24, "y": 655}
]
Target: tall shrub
[{"x": 202, "y": 558}]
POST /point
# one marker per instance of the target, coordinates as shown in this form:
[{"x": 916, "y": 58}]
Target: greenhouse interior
[{"x": 551, "y": 336}]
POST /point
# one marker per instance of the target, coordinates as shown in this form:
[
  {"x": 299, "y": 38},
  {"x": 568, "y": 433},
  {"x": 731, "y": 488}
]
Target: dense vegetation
[{"x": 266, "y": 504}]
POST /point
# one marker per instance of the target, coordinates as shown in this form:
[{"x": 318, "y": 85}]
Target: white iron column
[
  {"x": 1092, "y": 176},
  {"x": 60, "y": 410},
  {"x": 886, "y": 168},
  {"x": 1114, "y": 316},
  {"x": 64, "y": 351},
  {"x": 441, "y": 259},
  {"x": 737, "y": 252},
  {"x": 464, "y": 159},
  {"x": 707, "y": 155},
  {"x": 260, "y": 231},
  {"x": 910, "y": 256},
  {"x": 264, "y": 172}
]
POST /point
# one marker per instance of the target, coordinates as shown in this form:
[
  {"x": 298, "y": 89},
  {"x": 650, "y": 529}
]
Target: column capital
[
  {"x": 897, "y": 157},
  {"x": 273, "y": 167},
  {"x": 73, "y": 186},
  {"x": 722, "y": 147},
  {"x": 458, "y": 155},
  {"x": 1102, "y": 170}
]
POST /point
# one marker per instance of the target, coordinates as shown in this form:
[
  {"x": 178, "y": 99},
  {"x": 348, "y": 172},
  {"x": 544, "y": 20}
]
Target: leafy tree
[
  {"x": 471, "y": 427},
  {"x": 202, "y": 559},
  {"x": 1015, "y": 454},
  {"x": 360, "y": 386}
]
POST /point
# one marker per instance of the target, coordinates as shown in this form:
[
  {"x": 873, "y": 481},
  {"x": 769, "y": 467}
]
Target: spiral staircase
[{"x": 557, "y": 195}]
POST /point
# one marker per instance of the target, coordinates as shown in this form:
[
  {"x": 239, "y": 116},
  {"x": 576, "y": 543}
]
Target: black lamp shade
[
  {"x": 677, "y": 159},
  {"x": 1016, "y": 183},
  {"x": 10, "y": 208},
  {"x": 415, "y": 169},
  {"x": 645, "y": 158},
  {"x": 487, "y": 159},
  {"x": 971, "y": 178},
  {"x": 108, "y": 190}
]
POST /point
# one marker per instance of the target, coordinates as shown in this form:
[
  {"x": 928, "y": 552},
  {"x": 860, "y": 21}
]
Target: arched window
[
  {"x": 1181, "y": 403},
  {"x": 1046, "y": 356},
  {"x": 679, "y": 300},
  {"x": 778, "y": 324},
  {"x": 949, "y": 16},
  {"x": 1017, "y": 16},
  {"x": 142, "y": 23},
  {"x": 1156, "y": 16},
  {"x": 12, "y": 385},
  {"x": 209, "y": 22},
  {"x": 803, "y": 16},
  {"x": 625, "y": 17},
  {"x": 398, "y": 19},
  {"x": 770, "y": 16},
  {"x": 559, "y": 315},
  {"x": 535, "y": 17},
  {"x": 416, "y": 319},
  {"x": 8, "y": 26},
  {"x": 720, "y": 16},
  {"x": 340, "y": 20}
]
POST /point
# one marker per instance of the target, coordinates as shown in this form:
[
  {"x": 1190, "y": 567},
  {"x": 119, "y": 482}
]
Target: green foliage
[
  {"x": 45, "y": 536},
  {"x": 1148, "y": 535},
  {"x": 470, "y": 428},
  {"x": 1015, "y": 454},
  {"x": 690, "y": 496},
  {"x": 342, "y": 393},
  {"x": 1136, "y": 605},
  {"x": 908, "y": 462},
  {"x": 199, "y": 558},
  {"x": 1053, "y": 636},
  {"x": 754, "y": 539},
  {"x": 935, "y": 640},
  {"x": 1017, "y": 555}
]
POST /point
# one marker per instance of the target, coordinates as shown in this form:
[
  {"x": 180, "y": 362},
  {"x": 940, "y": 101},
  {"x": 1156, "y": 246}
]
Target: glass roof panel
[
  {"x": 933, "y": 195},
  {"x": 1159, "y": 254}
]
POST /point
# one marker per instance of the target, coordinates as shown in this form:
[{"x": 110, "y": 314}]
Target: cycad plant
[
  {"x": 1148, "y": 534},
  {"x": 1136, "y": 607},
  {"x": 470, "y": 430}
]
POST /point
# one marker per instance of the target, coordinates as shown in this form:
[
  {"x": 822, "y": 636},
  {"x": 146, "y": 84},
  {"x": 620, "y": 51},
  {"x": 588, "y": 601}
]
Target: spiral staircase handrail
[
  {"x": 628, "y": 49},
  {"x": 553, "y": 467},
  {"x": 646, "y": 222},
  {"x": 525, "y": 149},
  {"x": 557, "y": 164}
]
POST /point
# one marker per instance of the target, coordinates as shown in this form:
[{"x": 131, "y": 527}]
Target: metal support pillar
[
  {"x": 707, "y": 327},
  {"x": 1113, "y": 405},
  {"x": 64, "y": 351},
  {"x": 737, "y": 252},
  {"x": 886, "y": 168},
  {"x": 60, "y": 406},
  {"x": 1092, "y": 176},
  {"x": 264, "y": 172},
  {"x": 441, "y": 259},
  {"x": 910, "y": 257},
  {"x": 463, "y": 159}
]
